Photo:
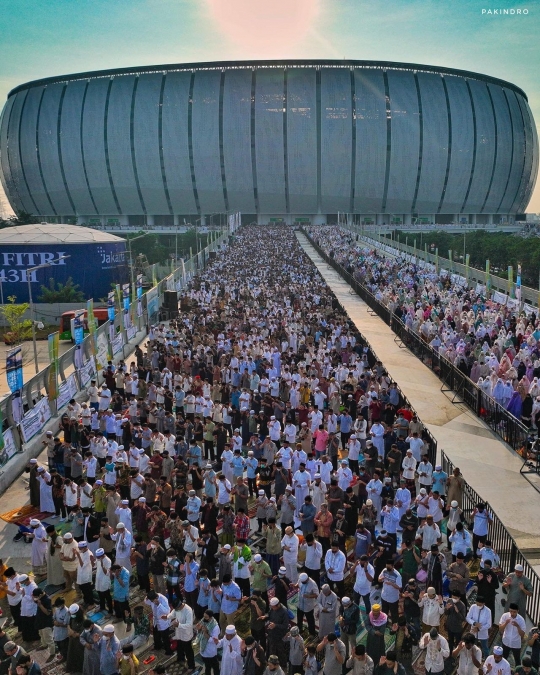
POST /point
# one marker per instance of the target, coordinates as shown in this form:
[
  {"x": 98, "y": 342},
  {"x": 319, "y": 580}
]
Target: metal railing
[
  {"x": 502, "y": 541},
  {"x": 498, "y": 419}
]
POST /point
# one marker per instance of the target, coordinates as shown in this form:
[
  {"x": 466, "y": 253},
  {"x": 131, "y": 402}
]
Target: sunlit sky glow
[{"x": 42, "y": 38}]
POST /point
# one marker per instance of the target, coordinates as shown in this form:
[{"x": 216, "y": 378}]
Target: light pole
[
  {"x": 129, "y": 240},
  {"x": 29, "y": 279}
]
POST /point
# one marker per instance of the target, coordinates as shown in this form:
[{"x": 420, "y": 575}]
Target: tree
[
  {"x": 21, "y": 218},
  {"x": 19, "y": 329},
  {"x": 68, "y": 292}
]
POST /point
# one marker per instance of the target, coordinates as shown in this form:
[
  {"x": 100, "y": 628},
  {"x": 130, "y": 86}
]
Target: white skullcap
[
  {"x": 261, "y": 492},
  {"x": 317, "y": 475},
  {"x": 125, "y": 501},
  {"x": 74, "y": 608},
  {"x": 23, "y": 577},
  {"x": 35, "y": 522},
  {"x": 257, "y": 557},
  {"x": 230, "y": 630},
  {"x": 109, "y": 628},
  {"x": 142, "y": 499},
  {"x": 68, "y": 535},
  {"x": 274, "y": 602},
  {"x": 100, "y": 552},
  {"x": 33, "y": 461},
  {"x": 83, "y": 544},
  {"x": 498, "y": 651},
  {"x": 120, "y": 526},
  {"x": 346, "y": 601},
  {"x": 303, "y": 577}
]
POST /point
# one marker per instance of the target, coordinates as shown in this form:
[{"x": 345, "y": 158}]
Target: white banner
[
  {"x": 87, "y": 372},
  {"x": 529, "y": 309},
  {"x": 513, "y": 304},
  {"x": 131, "y": 332},
  {"x": 10, "y": 448},
  {"x": 102, "y": 351},
  {"x": 34, "y": 420},
  {"x": 66, "y": 391},
  {"x": 118, "y": 343},
  {"x": 480, "y": 290},
  {"x": 169, "y": 283},
  {"x": 499, "y": 297}
]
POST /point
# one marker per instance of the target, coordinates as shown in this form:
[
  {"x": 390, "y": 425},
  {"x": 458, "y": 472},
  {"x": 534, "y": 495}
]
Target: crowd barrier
[
  {"x": 83, "y": 362},
  {"x": 500, "y": 421}
]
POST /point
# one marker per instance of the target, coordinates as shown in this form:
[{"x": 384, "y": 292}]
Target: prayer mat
[{"x": 23, "y": 515}]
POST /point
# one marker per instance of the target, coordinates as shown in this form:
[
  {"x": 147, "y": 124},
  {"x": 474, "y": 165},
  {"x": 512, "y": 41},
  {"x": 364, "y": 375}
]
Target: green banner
[
  {"x": 92, "y": 325},
  {"x": 467, "y": 261},
  {"x": 510, "y": 281},
  {"x": 488, "y": 278},
  {"x": 53, "y": 370}
]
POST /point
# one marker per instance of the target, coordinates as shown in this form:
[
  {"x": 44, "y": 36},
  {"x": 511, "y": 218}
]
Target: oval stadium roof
[
  {"x": 44, "y": 233},
  {"x": 277, "y": 63}
]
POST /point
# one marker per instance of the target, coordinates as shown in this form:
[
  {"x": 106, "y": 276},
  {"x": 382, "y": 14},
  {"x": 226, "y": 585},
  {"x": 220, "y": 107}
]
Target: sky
[{"x": 43, "y": 38}]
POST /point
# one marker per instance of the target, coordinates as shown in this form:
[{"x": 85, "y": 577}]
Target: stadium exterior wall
[{"x": 387, "y": 141}]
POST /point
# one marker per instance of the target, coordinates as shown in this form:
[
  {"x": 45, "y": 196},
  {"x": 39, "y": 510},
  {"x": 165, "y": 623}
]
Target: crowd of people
[
  {"x": 497, "y": 346},
  {"x": 254, "y": 480}
]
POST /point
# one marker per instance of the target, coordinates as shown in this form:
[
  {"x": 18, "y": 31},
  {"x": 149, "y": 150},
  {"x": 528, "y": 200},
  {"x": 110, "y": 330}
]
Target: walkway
[{"x": 487, "y": 464}]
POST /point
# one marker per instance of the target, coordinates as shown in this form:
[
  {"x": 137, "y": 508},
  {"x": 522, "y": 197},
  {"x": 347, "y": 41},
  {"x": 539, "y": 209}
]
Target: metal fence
[
  {"x": 499, "y": 420},
  {"x": 115, "y": 340},
  {"x": 503, "y": 543}
]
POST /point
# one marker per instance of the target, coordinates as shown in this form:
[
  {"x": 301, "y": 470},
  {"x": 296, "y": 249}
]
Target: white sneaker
[
  {"x": 53, "y": 517},
  {"x": 62, "y": 520}
]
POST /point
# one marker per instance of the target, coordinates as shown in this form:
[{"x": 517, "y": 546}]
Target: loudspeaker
[
  {"x": 212, "y": 255},
  {"x": 170, "y": 300}
]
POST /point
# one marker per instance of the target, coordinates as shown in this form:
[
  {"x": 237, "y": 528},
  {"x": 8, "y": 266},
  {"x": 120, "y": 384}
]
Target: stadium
[{"x": 298, "y": 141}]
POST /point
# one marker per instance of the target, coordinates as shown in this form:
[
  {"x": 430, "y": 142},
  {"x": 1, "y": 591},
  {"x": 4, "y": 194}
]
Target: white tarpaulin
[
  {"x": 499, "y": 297},
  {"x": 118, "y": 343},
  {"x": 9, "y": 449},
  {"x": 87, "y": 372},
  {"x": 34, "y": 420},
  {"x": 529, "y": 309}
]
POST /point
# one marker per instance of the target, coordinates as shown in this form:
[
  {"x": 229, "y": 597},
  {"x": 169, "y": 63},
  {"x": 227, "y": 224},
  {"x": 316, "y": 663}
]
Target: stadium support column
[
  {"x": 176, "y": 221},
  {"x": 456, "y": 218},
  {"x": 473, "y": 219},
  {"x": 407, "y": 219},
  {"x": 150, "y": 220},
  {"x": 379, "y": 219},
  {"x": 490, "y": 219}
]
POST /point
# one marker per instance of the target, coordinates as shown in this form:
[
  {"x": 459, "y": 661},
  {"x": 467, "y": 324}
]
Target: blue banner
[
  {"x": 14, "y": 369},
  {"x": 139, "y": 286},
  {"x": 125, "y": 295},
  {"x": 78, "y": 328},
  {"x": 110, "y": 305}
]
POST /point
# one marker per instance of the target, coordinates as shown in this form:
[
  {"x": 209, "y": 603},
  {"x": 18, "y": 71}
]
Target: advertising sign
[
  {"x": 7, "y": 446},
  {"x": 152, "y": 303},
  {"x": 117, "y": 343},
  {"x": 92, "y": 266},
  {"x": 34, "y": 420},
  {"x": 87, "y": 372},
  {"x": 67, "y": 391},
  {"x": 14, "y": 369}
]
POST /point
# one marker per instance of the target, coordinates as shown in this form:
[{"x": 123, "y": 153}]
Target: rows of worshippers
[
  {"x": 497, "y": 346},
  {"x": 304, "y": 496}
]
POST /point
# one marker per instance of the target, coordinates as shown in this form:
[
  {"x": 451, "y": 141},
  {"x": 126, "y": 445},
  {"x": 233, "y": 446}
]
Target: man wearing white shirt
[
  {"x": 365, "y": 573},
  {"x": 512, "y": 626},
  {"x": 437, "y": 650},
  {"x": 391, "y": 589},
  {"x": 479, "y": 619},
  {"x": 360, "y": 430},
  {"x": 496, "y": 664},
  {"x": 354, "y": 448},
  {"x": 334, "y": 564},
  {"x": 289, "y": 546},
  {"x": 274, "y": 430},
  {"x": 402, "y": 497},
  {"x": 416, "y": 444},
  {"x": 314, "y": 553},
  {"x": 319, "y": 397},
  {"x": 344, "y": 475},
  {"x": 104, "y": 398},
  {"x": 159, "y": 605},
  {"x": 331, "y": 423},
  {"x": 325, "y": 469},
  {"x": 425, "y": 471},
  {"x": 290, "y": 433},
  {"x": 301, "y": 484},
  {"x": 181, "y": 620}
]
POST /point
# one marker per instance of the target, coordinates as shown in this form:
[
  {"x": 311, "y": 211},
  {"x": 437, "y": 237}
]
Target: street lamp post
[
  {"x": 129, "y": 240},
  {"x": 29, "y": 279}
]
